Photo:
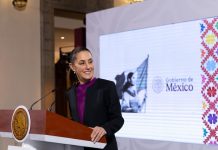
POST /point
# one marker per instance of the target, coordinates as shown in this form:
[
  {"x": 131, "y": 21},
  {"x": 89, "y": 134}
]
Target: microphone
[{"x": 31, "y": 107}]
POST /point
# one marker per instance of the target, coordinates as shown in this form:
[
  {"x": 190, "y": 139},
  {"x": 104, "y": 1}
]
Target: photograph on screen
[{"x": 132, "y": 88}]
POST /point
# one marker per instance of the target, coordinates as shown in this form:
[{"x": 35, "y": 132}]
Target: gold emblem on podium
[{"x": 20, "y": 123}]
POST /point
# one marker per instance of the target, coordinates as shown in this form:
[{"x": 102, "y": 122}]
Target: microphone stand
[
  {"x": 52, "y": 104},
  {"x": 31, "y": 107}
]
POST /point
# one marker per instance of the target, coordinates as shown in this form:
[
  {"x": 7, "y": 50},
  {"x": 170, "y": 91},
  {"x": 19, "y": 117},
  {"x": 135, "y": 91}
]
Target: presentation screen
[{"x": 166, "y": 79}]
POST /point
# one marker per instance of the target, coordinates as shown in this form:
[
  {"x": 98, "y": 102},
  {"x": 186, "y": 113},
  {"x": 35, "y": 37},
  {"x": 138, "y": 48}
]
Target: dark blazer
[{"x": 102, "y": 108}]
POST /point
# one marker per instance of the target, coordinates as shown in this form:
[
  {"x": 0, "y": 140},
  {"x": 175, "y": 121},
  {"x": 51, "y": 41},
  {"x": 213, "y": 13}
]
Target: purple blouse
[{"x": 80, "y": 96}]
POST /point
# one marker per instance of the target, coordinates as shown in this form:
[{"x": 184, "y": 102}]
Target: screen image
[{"x": 167, "y": 80}]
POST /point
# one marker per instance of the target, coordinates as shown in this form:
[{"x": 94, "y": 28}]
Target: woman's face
[
  {"x": 83, "y": 66},
  {"x": 134, "y": 78}
]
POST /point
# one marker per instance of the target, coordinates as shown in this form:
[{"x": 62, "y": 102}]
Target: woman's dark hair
[
  {"x": 75, "y": 51},
  {"x": 128, "y": 82}
]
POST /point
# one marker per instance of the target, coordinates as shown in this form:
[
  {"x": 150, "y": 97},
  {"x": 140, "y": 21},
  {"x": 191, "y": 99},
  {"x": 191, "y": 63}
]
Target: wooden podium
[{"x": 53, "y": 129}]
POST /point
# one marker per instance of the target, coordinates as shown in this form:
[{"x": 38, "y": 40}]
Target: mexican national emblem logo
[
  {"x": 157, "y": 84},
  {"x": 20, "y": 123}
]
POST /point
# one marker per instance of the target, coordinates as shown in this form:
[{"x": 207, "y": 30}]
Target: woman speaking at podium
[{"x": 93, "y": 101}]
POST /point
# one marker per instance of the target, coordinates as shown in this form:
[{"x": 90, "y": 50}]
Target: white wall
[
  {"x": 19, "y": 54},
  {"x": 20, "y": 77}
]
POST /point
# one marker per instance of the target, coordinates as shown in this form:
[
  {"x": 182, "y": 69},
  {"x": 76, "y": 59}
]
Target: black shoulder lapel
[{"x": 73, "y": 103}]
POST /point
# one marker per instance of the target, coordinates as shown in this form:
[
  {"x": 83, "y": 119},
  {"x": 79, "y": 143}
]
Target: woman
[
  {"x": 130, "y": 99},
  {"x": 94, "y": 102}
]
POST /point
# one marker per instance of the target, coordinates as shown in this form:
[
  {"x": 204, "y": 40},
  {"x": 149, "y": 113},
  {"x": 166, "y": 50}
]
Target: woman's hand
[{"x": 97, "y": 134}]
